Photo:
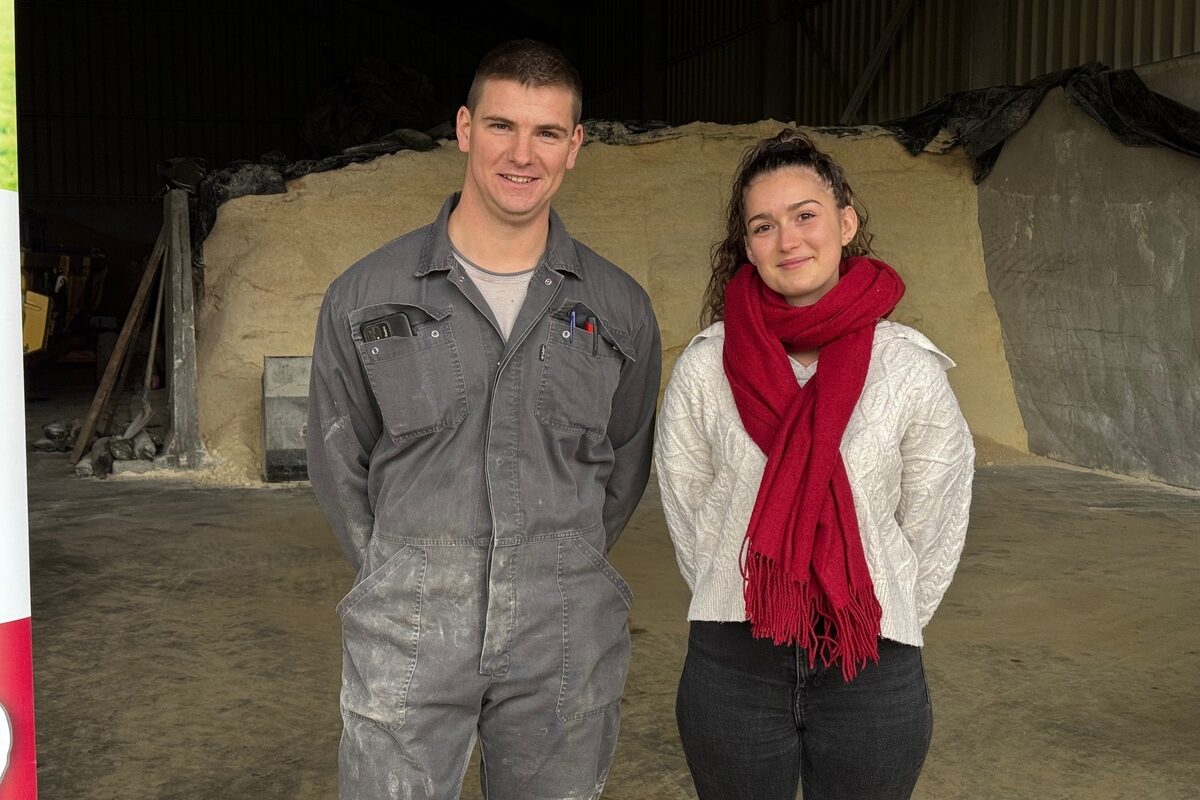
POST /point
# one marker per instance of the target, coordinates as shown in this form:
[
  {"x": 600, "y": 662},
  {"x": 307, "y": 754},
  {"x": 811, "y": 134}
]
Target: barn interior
[{"x": 193, "y": 175}]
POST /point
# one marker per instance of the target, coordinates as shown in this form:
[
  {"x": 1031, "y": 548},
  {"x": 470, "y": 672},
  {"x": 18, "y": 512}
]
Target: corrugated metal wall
[
  {"x": 610, "y": 59},
  {"x": 1049, "y": 35},
  {"x": 132, "y": 82},
  {"x": 927, "y": 58},
  {"x": 713, "y": 60},
  {"x": 108, "y": 88},
  {"x": 674, "y": 60},
  {"x": 932, "y": 51}
]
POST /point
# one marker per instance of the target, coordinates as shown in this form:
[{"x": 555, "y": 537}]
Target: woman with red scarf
[{"x": 816, "y": 478}]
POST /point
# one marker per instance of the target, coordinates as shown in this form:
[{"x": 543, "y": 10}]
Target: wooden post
[{"x": 182, "y": 446}]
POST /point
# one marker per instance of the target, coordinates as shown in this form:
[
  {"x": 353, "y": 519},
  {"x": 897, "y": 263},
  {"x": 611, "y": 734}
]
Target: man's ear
[
  {"x": 575, "y": 142},
  {"x": 462, "y": 128}
]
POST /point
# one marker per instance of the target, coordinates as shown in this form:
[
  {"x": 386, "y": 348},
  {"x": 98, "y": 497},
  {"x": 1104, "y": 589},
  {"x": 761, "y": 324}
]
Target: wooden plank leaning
[{"x": 121, "y": 351}]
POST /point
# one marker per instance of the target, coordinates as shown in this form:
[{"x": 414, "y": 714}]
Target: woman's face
[{"x": 795, "y": 233}]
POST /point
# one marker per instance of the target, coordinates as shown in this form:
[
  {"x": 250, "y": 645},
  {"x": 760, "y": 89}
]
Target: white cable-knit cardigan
[{"x": 908, "y": 454}]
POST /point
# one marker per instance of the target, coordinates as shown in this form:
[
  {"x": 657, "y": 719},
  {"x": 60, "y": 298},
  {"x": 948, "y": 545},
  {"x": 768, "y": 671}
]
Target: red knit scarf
[{"x": 807, "y": 580}]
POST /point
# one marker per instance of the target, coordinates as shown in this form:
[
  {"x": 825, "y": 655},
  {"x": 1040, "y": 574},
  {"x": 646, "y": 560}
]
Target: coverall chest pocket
[
  {"x": 417, "y": 379},
  {"x": 579, "y": 375}
]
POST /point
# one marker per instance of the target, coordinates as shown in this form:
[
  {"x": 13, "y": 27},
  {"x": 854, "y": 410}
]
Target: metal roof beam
[{"x": 872, "y": 69}]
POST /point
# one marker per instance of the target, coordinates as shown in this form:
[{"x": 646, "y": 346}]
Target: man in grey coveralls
[{"x": 481, "y": 413}]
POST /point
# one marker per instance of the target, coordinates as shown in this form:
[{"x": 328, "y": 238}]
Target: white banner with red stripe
[
  {"x": 18, "y": 756},
  {"x": 18, "y": 759}
]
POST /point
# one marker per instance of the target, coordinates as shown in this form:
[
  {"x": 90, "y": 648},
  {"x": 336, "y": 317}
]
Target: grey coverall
[{"x": 477, "y": 486}]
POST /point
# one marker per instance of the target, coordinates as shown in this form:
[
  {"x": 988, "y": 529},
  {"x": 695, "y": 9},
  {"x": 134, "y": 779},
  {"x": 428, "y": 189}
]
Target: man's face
[{"x": 519, "y": 142}]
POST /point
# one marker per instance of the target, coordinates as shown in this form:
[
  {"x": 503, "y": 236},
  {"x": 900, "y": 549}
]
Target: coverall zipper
[{"x": 511, "y": 349}]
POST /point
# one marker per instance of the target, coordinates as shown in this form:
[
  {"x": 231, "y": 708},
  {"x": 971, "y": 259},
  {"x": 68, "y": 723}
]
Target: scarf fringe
[{"x": 794, "y": 612}]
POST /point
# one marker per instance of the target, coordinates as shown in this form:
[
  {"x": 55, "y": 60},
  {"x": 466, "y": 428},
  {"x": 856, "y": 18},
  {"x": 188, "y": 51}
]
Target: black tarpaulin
[{"x": 982, "y": 119}]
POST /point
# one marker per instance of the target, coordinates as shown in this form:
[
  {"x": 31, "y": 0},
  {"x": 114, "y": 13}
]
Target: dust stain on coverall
[{"x": 477, "y": 484}]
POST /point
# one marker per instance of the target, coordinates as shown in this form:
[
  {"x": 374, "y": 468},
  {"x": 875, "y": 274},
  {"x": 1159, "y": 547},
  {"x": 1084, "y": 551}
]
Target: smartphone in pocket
[{"x": 386, "y": 327}]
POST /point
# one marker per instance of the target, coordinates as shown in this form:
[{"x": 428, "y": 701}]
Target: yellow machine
[
  {"x": 58, "y": 289},
  {"x": 35, "y": 315}
]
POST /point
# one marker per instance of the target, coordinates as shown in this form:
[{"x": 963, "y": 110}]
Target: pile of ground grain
[{"x": 654, "y": 208}]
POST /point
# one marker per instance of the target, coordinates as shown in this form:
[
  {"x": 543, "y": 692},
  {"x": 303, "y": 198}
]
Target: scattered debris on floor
[
  {"x": 137, "y": 443},
  {"x": 59, "y": 437},
  {"x": 107, "y": 450}
]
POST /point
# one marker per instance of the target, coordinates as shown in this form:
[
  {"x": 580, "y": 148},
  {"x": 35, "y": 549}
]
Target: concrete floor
[{"x": 186, "y": 645}]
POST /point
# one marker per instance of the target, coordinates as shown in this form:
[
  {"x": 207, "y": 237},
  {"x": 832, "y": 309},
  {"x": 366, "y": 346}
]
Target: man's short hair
[{"x": 529, "y": 63}]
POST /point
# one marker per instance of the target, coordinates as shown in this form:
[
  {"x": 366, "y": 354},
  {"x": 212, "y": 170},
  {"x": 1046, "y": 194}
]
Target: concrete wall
[
  {"x": 1093, "y": 258},
  {"x": 654, "y": 208}
]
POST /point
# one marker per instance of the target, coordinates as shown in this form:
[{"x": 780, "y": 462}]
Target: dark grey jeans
[{"x": 757, "y": 723}]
